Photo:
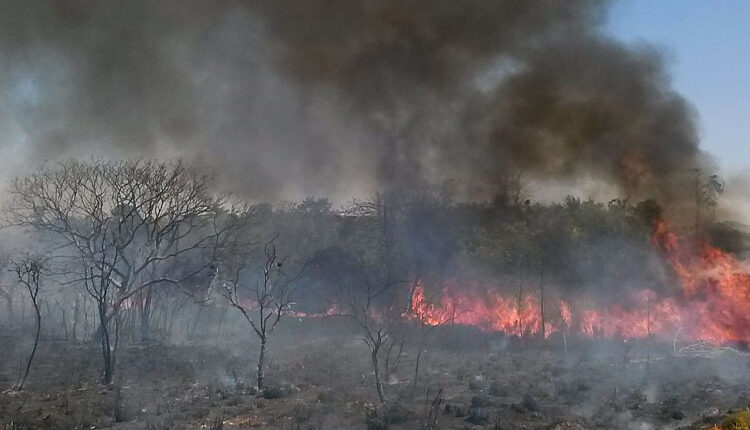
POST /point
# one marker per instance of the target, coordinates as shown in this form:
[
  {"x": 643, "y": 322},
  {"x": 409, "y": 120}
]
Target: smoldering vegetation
[
  {"x": 438, "y": 286},
  {"x": 137, "y": 296}
]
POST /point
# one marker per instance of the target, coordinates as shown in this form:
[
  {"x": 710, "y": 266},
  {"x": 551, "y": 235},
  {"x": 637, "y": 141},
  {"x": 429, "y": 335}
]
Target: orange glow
[
  {"x": 712, "y": 303},
  {"x": 332, "y": 310},
  {"x": 565, "y": 314}
]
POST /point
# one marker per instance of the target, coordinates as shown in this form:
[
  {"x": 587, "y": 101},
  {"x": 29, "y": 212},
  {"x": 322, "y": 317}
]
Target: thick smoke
[{"x": 285, "y": 98}]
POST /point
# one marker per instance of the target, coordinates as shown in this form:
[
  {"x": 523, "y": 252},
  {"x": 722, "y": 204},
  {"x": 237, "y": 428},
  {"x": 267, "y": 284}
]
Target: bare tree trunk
[
  {"x": 86, "y": 325},
  {"x": 22, "y": 382},
  {"x": 145, "y": 314},
  {"x": 117, "y": 411},
  {"x": 376, "y": 367},
  {"x": 105, "y": 319},
  {"x": 64, "y": 321},
  {"x": 106, "y": 347},
  {"x": 76, "y": 316},
  {"x": 261, "y": 362}
]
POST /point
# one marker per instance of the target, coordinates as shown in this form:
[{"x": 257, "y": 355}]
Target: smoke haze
[{"x": 288, "y": 98}]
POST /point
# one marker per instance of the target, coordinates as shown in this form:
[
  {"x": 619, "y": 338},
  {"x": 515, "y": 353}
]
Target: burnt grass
[{"x": 319, "y": 377}]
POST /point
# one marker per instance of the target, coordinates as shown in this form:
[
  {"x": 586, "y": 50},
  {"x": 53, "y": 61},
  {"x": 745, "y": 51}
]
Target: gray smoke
[{"x": 285, "y": 98}]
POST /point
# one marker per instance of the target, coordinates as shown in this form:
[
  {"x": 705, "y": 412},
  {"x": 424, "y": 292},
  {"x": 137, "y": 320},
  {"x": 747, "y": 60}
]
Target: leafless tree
[
  {"x": 97, "y": 279},
  {"x": 366, "y": 283},
  {"x": 125, "y": 227},
  {"x": 265, "y": 300},
  {"x": 432, "y": 406},
  {"x": 394, "y": 349},
  {"x": 369, "y": 305},
  {"x": 28, "y": 271}
]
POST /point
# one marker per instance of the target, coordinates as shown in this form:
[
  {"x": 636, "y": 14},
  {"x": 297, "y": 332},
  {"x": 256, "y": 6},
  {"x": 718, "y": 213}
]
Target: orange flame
[{"x": 713, "y": 303}]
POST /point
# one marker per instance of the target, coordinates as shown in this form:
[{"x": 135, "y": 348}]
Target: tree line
[{"x": 135, "y": 242}]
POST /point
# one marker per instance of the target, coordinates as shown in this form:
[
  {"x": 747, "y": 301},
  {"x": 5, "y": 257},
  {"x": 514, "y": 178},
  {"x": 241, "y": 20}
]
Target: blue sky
[{"x": 707, "y": 49}]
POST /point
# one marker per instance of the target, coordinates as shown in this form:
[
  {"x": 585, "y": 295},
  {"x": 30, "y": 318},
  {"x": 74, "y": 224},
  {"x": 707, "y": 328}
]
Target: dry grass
[{"x": 737, "y": 421}]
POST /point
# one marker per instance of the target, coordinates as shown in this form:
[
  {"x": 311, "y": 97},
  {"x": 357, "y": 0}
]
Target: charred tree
[
  {"x": 97, "y": 279},
  {"x": 368, "y": 274},
  {"x": 262, "y": 301},
  {"x": 369, "y": 305},
  {"x": 143, "y": 224},
  {"x": 28, "y": 272}
]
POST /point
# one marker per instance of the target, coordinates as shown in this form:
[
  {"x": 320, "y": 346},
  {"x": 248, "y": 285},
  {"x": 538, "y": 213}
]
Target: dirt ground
[{"x": 320, "y": 378}]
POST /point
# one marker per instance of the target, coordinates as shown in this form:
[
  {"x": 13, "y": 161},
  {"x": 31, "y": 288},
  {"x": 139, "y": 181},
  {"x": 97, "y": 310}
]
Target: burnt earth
[{"x": 325, "y": 382}]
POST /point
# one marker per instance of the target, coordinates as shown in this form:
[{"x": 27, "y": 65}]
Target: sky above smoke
[{"x": 283, "y": 99}]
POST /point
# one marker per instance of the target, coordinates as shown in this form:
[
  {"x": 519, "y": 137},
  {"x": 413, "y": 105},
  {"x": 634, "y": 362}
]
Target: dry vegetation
[
  {"x": 319, "y": 378},
  {"x": 136, "y": 297}
]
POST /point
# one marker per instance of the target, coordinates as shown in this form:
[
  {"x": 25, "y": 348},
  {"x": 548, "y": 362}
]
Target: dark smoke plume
[{"x": 285, "y": 98}]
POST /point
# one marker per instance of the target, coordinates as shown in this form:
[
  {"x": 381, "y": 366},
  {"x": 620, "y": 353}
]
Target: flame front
[
  {"x": 490, "y": 313},
  {"x": 712, "y": 304}
]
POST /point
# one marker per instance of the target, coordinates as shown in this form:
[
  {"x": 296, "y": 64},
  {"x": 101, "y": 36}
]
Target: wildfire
[
  {"x": 491, "y": 313},
  {"x": 713, "y": 303},
  {"x": 332, "y": 311}
]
